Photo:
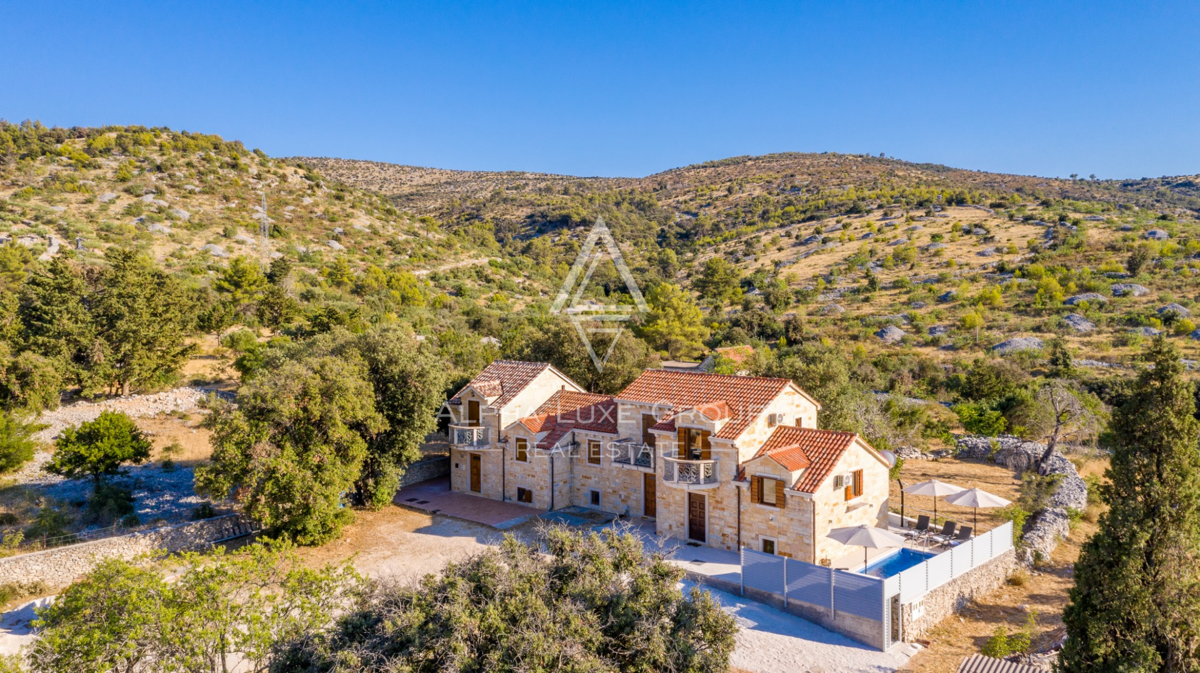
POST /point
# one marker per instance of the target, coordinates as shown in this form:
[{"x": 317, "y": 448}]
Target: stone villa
[{"x": 725, "y": 461}]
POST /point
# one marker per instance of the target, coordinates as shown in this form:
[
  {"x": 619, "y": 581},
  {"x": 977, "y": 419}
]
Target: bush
[
  {"x": 978, "y": 419},
  {"x": 601, "y": 603},
  {"x": 1002, "y": 644},
  {"x": 108, "y": 503},
  {"x": 1018, "y": 517},
  {"x": 50, "y": 525},
  {"x": 203, "y": 511}
]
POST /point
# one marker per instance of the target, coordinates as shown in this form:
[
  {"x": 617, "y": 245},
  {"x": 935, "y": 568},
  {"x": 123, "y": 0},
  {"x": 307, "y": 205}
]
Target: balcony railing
[
  {"x": 467, "y": 436},
  {"x": 689, "y": 472},
  {"x": 629, "y": 452}
]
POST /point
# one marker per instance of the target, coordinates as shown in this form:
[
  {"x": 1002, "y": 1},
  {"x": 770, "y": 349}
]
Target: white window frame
[{"x": 763, "y": 539}]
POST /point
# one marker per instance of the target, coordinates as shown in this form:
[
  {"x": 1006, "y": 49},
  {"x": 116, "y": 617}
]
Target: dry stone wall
[
  {"x": 62, "y": 565},
  {"x": 1047, "y": 527}
]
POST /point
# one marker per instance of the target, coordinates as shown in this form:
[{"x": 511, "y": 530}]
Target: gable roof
[
  {"x": 745, "y": 397},
  {"x": 505, "y": 379},
  {"x": 817, "y": 452},
  {"x": 567, "y": 410}
]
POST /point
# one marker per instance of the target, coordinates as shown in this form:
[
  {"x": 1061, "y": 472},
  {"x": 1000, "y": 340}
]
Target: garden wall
[{"x": 61, "y": 566}]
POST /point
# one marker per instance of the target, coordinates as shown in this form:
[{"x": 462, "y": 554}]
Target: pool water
[{"x": 897, "y": 563}]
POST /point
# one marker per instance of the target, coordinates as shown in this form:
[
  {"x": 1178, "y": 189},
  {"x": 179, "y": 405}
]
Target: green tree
[
  {"x": 1059, "y": 359},
  {"x": 719, "y": 281},
  {"x": 142, "y": 317},
  {"x": 556, "y": 342},
  {"x": 601, "y": 604},
  {"x": 29, "y": 382},
  {"x": 99, "y": 448},
  {"x": 972, "y": 320},
  {"x": 1137, "y": 580},
  {"x": 674, "y": 324},
  {"x": 53, "y": 316},
  {"x": 293, "y": 446},
  {"x": 243, "y": 282},
  {"x": 17, "y": 444},
  {"x": 1138, "y": 259}
]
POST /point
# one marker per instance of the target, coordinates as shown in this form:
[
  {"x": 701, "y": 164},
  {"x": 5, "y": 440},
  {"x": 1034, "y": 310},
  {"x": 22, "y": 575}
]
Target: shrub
[
  {"x": 50, "y": 525},
  {"x": 978, "y": 419},
  {"x": 203, "y": 511},
  {"x": 602, "y": 603},
  {"x": 1017, "y": 516},
  {"x": 108, "y": 503}
]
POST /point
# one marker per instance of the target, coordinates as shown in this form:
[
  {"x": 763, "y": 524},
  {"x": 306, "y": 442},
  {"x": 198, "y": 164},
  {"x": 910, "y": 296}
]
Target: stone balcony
[
  {"x": 632, "y": 453},
  {"x": 690, "y": 474},
  {"x": 468, "y": 436}
]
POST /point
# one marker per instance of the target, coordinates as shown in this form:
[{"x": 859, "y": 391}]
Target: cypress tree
[{"x": 1135, "y": 605}]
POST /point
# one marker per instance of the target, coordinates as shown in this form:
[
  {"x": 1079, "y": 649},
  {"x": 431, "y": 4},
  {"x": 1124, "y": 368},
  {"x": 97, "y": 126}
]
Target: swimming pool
[{"x": 894, "y": 564}]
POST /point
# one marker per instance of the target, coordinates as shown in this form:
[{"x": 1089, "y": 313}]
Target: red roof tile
[
  {"x": 745, "y": 396},
  {"x": 504, "y": 378},
  {"x": 821, "y": 448},
  {"x": 567, "y": 410}
]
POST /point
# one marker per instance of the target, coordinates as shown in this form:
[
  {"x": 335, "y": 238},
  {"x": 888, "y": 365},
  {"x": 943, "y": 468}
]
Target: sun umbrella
[
  {"x": 974, "y": 497},
  {"x": 867, "y": 537},
  {"x": 935, "y": 488}
]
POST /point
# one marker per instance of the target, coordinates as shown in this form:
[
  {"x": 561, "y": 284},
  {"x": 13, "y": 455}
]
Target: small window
[
  {"x": 593, "y": 452},
  {"x": 522, "y": 449},
  {"x": 853, "y": 484},
  {"x": 595, "y": 498},
  {"x": 524, "y": 495},
  {"x": 768, "y": 492},
  {"x": 768, "y": 545}
]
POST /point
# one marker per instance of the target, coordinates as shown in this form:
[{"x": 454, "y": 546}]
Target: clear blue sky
[{"x": 1043, "y": 88}]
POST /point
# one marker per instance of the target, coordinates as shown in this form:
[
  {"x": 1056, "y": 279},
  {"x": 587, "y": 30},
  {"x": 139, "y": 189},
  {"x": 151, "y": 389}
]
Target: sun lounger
[
  {"x": 921, "y": 528},
  {"x": 946, "y": 534},
  {"x": 964, "y": 535}
]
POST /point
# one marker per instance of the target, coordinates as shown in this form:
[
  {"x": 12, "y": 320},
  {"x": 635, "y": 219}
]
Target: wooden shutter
[
  {"x": 522, "y": 449},
  {"x": 755, "y": 489},
  {"x": 705, "y": 447},
  {"x": 683, "y": 448},
  {"x": 779, "y": 495},
  {"x": 647, "y": 423},
  {"x": 858, "y": 483}
]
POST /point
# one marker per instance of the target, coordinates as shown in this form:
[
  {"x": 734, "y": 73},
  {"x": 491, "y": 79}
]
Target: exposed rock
[
  {"x": 1045, "y": 528},
  {"x": 1176, "y": 309},
  {"x": 918, "y": 305},
  {"x": 934, "y": 246},
  {"x": 181, "y": 214},
  {"x": 1089, "y": 297},
  {"x": 334, "y": 245},
  {"x": 1146, "y": 331},
  {"x": 890, "y": 334},
  {"x": 1129, "y": 290},
  {"x": 948, "y": 296},
  {"x": 1156, "y": 235},
  {"x": 214, "y": 250},
  {"x": 1079, "y": 323},
  {"x": 832, "y": 309},
  {"x": 1017, "y": 344},
  {"x": 106, "y": 197},
  {"x": 156, "y": 228},
  {"x": 939, "y": 330}
]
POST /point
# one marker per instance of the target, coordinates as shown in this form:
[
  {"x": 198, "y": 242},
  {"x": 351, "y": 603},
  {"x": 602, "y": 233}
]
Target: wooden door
[
  {"x": 473, "y": 413},
  {"x": 649, "y": 494},
  {"x": 696, "y": 528},
  {"x": 476, "y": 473}
]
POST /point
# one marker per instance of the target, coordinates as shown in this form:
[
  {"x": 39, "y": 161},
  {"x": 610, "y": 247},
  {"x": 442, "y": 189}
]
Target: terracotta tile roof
[
  {"x": 822, "y": 449},
  {"x": 567, "y": 410},
  {"x": 504, "y": 378},
  {"x": 745, "y": 396}
]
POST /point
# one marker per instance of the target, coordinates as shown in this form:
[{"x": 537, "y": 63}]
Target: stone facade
[
  {"x": 63, "y": 565},
  {"x": 834, "y": 511}
]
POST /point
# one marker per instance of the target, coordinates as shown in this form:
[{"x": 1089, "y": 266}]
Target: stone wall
[
  {"x": 424, "y": 470},
  {"x": 920, "y": 616},
  {"x": 1046, "y": 527},
  {"x": 63, "y": 565}
]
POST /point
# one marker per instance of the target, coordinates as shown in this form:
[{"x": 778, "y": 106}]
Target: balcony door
[
  {"x": 473, "y": 413},
  {"x": 694, "y": 444}
]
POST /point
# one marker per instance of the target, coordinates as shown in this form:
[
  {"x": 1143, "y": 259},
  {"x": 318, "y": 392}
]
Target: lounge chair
[
  {"x": 964, "y": 535},
  {"x": 920, "y": 529},
  {"x": 947, "y": 533}
]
